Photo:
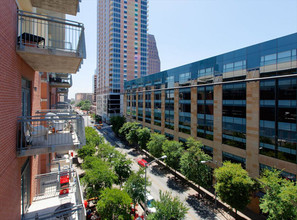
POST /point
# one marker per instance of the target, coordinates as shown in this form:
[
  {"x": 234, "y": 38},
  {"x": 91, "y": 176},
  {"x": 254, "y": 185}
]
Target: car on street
[
  {"x": 142, "y": 162},
  {"x": 149, "y": 204}
]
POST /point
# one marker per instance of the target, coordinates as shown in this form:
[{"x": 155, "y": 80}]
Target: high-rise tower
[
  {"x": 153, "y": 56},
  {"x": 121, "y": 50}
]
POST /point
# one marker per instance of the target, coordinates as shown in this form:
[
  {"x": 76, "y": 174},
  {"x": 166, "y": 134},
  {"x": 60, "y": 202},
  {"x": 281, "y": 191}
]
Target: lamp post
[
  {"x": 146, "y": 165},
  {"x": 216, "y": 163}
]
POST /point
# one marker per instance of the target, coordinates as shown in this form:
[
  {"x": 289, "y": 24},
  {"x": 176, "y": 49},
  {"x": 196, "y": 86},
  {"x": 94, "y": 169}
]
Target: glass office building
[{"x": 241, "y": 105}]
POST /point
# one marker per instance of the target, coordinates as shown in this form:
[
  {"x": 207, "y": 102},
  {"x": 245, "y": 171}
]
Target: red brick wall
[{"x": 12, "y": 68}]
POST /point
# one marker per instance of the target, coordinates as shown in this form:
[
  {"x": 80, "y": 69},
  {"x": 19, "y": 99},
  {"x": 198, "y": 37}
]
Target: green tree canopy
[
  {"x": 191, "y": 165},
  {"x": 122, "y": 168},
  {"x": 173, "y": 150},
  {"x": 143, "y": 135},
  {"x": 114, "y": 204},
  {"x": 233, "y": 185},
  {"x": 135, "y": 186},
  {"x": 280, "y": 199},
  {"x": 127, "y": 127},
  {"x": 87, "y": 150},
  {"x": 117, "y": 122},
  {"x": 155, "y": 144},
  {"x": 168, "y": 208},
  {"x": 98, "y": 175},
  {"x": 92, "y": 136}
]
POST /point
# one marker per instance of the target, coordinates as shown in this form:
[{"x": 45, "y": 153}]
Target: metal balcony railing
[
  {"x": 62, "y": 90},
  {"x": 49, "y": 133},
  {"x": 56, "y": 199},
  {"x": 58, "y": 112},
  {"x": 61, "y": 105},
  {"x": 63, "y": 80},
  {"x": 42, "y": 41}
]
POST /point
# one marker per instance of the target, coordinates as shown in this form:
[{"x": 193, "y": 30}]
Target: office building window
[
  {"x": 205, "y": 112},
  {"x": 169, "y": 109},
  {"x": 157, "y": 108},
  {"x": 234, "y": 114},
  {"x": 278, "y": 135},
  {"x": 148, "y": 109},
  {"x": 234, "y": 159},
  {"x": 140, "y": 106},
  {"x": 185, "y": 110}
]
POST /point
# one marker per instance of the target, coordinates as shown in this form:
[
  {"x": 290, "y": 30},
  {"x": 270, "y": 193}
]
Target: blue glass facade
[{"x": 259, "y": 82}]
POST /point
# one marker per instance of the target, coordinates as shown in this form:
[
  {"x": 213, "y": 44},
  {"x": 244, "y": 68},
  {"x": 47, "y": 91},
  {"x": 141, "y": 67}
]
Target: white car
[{"x": 149, "y": 201}]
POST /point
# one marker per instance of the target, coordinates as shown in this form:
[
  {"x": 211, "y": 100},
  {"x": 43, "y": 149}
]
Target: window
[
  {"x": 185, "y": 110},
  {"x": 169, "y": 109},
  {"x": 184, "y": 77}
]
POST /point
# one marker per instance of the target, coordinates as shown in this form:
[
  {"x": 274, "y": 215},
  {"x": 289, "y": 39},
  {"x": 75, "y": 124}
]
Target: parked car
[
  {"x": 149, "y": 201},
  {"x": 142, "y": 162}
]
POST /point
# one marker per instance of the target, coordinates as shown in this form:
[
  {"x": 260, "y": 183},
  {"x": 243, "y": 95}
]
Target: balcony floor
[
  {"x": 46, "y": 205},
  {"x": 60, "y": 85},
  {"x": 50, "y": 60},
  {"x": 57, "y": 142}
]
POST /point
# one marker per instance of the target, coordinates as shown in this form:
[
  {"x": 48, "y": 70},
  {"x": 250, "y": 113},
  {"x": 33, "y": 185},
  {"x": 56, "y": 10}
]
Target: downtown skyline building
[
  {"x": 154, "y": 64},
  {"x": 122, "y": 51},
  {"x": 241, "y": 105}
]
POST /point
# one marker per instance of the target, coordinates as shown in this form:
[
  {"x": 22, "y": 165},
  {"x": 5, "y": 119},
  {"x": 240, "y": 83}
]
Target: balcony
[
  {"x": 62, "y": 90},
  {"x": 70, "y": 7},
  {"x": 50, "y": 44},
  {"x": 60, "y": 80},
  {"x": 61, "y": 105},
  {"x": 53, "y": 201},
  {"x": 58, "y": 112},
  {"x": 49, "y": 133}
]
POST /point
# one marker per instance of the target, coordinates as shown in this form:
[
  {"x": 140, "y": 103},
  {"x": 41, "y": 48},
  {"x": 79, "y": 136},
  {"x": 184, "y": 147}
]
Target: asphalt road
[{"x": 164, "y": 181}]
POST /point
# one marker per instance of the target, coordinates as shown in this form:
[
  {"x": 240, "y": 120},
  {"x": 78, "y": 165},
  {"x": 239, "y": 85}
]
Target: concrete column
[
  {"x": 143, "y": 107},
  {"x": 252, "y": 124},
  {"x": 152, "y": 106},
  {"x": 176, "y": 111},
  {"x": 163, "y": 94},
  {"x": 125, "y": 105},
  {"x": 136, "y": 112},
  {"x": 217, "y": 121},
  {"x": 194, "y": 112}
]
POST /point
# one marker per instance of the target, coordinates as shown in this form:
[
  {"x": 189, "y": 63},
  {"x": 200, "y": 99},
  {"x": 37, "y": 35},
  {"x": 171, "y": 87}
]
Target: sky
[{"x": 191, "y": 30}]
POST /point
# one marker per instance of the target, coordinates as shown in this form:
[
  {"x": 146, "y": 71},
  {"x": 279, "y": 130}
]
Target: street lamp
[
  {"x": 146, "y": 165},
  {"x": 216, "y": 163}
]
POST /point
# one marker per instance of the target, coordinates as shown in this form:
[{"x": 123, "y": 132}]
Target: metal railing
[
  {"x": 62, "y": 90},
  {"x": 48, "y": 186},
  {"x": 47, "y": 32},
  {"x": 60, "y": 79},
  {"x": 61, "y": 105},
  {"x": 49, "y": 132}
]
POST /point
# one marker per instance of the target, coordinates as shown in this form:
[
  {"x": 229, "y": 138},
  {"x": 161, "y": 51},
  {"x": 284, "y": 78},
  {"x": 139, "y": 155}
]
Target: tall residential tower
[
  {"x": 121, "y": 50},
  {"x": 153, "y": 56}
]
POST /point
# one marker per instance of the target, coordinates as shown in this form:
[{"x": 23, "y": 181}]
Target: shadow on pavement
[
  {"x": 134, "y": 153},
  {"x": 200, "y": 208},
  {"x": 176, "y": 184},
  {"x": 158, "y": 170}
]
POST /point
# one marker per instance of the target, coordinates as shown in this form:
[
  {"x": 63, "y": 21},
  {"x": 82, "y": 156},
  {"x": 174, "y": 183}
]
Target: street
[{"x": 161, "y": 179}]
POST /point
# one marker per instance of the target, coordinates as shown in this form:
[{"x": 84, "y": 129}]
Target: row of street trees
[
  {"x": 233, "y": 184},
  {"x": 109, "y": 177},
  {"x": 84, "y": 105}
]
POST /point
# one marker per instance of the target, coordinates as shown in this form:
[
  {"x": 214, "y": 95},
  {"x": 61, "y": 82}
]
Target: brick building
[
  {"x": 241, "y": 105},
  {"x": 154, "y": 64},
  {"x": 28, "y": 52}
]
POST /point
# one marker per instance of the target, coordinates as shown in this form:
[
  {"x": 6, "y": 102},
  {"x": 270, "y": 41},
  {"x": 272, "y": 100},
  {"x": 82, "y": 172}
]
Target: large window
[
  {"x": 148, "y": 109},
  {"x": 185, "y": 110},
  {"x": 169, "y": 109},
  {"x": 234, "y": 159},
  {"x": 140, "y": 106},
  {"x": 205, "y": 112},
  {"x": 280, "y": 57},
  {"x": 128, "y": 104},
  {"x": 278, "y": 108},
  {"x": 133, "y": 105},
  {"x": 157, "y": 108},
  {"x": 234, "y": 114}
]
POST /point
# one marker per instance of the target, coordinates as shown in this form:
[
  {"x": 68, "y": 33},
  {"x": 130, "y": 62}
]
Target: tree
[
  {"x": 155, "y": 144},
  {"x": 135, "y": 186},
  {"x": 168, "y": 208},
  {"x": 125, "y": 129},
  {"x": 233, "y": 185},
  {"x": 144, "y": 135},
  {"x": 92, "y": 136},
  {"x": 122, "y": 168},
  {"x": 280, "y": 197},
  {"x": 87, "y": 150},
  {"x": 114, "y": 204},
  {"x": 98, "y": 176},
  {"x": 117, "y": 122},
  {"x": 191, "y": 165},
  {"x": 106, "y": 152},
  {"x": 173, "y": 150},
  {"x": 72, "y": 102}
]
